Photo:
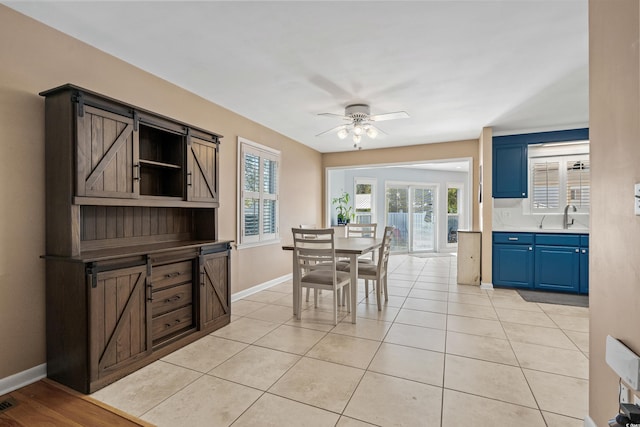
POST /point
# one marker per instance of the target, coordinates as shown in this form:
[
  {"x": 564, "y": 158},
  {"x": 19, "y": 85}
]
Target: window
[
  {"x": 454, "y": 199},
  {"x": 258, "y": 193},
  {"x": 557, "y": 181},
  {"x": 365, "y": 201}
]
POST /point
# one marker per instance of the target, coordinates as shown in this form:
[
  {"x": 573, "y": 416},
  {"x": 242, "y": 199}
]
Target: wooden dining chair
[
  {"x": 378, "y": 271},
  {"x": 315, "y": 260}
]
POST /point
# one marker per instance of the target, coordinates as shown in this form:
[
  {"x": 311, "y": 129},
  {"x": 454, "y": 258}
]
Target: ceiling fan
[{"x": 359, "y": 121}]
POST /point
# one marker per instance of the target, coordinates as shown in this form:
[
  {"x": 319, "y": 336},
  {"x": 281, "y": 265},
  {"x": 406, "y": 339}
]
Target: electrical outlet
[
  {"x": 636, "y": 198},
  {"x": 624, "y": 394}
]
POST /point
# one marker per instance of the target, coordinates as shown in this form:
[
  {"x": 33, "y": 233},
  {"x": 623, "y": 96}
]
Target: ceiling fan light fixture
[
  {"x": 357, "y": 138},
  {"x": 342, "y": 133},
  {"x": 357, "y": 129},
  {"x": 372, "y": 133}
]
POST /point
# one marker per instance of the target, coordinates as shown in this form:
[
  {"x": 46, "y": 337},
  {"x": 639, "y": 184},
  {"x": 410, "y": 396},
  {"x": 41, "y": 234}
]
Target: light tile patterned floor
[{"x": 439, "y": 354}]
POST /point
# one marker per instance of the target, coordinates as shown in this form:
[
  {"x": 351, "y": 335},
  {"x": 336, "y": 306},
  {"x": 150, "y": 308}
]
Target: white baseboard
[
  {"x": 21, "y": 379},
  {"x": 486, "y": 285},
  {"x": 261, "y": 287},
  {"x": 588, "y": 422}
]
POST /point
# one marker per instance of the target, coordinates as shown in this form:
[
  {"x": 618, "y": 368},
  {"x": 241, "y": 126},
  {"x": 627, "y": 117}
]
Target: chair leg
[
  {"x": 336, "y": 295},
  {"x": 366, "y": 288},
  {"x": 378, "y": 289},
  {"x": 307, "y": 295},
  {"x": 299, "y": 302},
  {"x": 386, "y": 293},
  {"x": 315, "y": 298}
]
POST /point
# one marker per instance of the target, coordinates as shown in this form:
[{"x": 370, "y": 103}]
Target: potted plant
[{"x": 345, "y": 212}]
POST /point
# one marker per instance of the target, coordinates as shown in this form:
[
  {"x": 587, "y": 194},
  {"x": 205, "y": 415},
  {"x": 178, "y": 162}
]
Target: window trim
[
  {"x": 263, "y": 152},
  {"x": 462, "y": 215},
  {"x": 562, "y": 156}
]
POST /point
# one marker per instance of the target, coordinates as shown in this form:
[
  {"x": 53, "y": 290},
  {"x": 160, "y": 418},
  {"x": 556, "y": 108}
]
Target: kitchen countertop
[{"x": 542, "y": 230}]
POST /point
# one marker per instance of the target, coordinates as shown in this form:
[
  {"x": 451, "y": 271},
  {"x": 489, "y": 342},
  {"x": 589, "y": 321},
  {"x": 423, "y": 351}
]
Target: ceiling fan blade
[
  {"x": 389, "y": 116},
  {"x": 340, "y": 116},
  {"x": 335, "y": 129}
]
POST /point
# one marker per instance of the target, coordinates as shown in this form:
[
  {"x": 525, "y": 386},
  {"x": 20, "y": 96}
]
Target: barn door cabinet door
[
  {"x": 215, "y": 304},
  {"x": 107, "y": 161},
  {"x": 119, "y": 320},
  {"x": 202, "y": 170}
]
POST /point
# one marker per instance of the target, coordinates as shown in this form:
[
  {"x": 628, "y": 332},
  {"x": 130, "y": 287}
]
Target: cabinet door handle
[
  {"x": 189, "y": 183},
  {"x": 136, "y": 172},
  {"x": 530, "y": 248},
  {"x": 577, "y": 250},
  {"x": 584, "y": 251},
  {"x": 523, "y": 194},
  {"x": 513, "y": 238},
  {"x": 150, "y": 292}
]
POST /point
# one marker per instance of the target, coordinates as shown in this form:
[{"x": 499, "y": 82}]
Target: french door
[{"x": 411, "y": 208}]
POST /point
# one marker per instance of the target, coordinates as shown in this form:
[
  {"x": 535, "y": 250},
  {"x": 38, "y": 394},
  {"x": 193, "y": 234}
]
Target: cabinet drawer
[
  {"x": 170, "y": 299},
  {"x": 558, "y": 239},
  {"x": 163, "y": 276},
  {"x": 172, "y": 322},
  {"x": 516, "y": 238},
  {"x": 584, "y": 240}
]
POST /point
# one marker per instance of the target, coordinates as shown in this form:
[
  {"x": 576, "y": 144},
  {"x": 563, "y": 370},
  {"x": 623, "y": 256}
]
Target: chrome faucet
[{"x": 565, "y": 222}]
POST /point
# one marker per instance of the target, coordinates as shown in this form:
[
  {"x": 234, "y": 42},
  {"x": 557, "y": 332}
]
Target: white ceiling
[{"x": 454, "y": 66}]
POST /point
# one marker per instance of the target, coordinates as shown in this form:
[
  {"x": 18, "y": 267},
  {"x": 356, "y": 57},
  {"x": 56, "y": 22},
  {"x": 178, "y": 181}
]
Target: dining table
[{"x": 345, "y": 247}]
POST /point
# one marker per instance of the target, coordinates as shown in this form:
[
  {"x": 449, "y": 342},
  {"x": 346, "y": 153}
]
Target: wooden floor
[{"x": 46, "y": 403}]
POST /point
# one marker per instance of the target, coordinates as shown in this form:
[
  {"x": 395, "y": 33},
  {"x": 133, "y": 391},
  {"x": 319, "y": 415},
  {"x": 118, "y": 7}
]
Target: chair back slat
[
  {"x": 361, "y": 230},
  {"x": 385, "y": 250}
]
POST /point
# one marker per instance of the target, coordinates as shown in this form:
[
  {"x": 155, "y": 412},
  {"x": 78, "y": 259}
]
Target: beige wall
[
  {"x": 34, "y": 58},
  {"x": 485, "y": 150},
  {"x": 413, "y": 153},
  {"x": 614, "y": 98}
]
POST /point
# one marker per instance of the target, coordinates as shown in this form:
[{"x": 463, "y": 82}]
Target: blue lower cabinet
[
  {"x": 557, "y": 268},
  {"x": 544, "y": 261},
  {"x": 513, "y": 265}
]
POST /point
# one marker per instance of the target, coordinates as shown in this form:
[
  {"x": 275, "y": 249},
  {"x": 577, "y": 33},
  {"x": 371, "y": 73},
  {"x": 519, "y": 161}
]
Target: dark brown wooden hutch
[{"x": 134, "y": 266}]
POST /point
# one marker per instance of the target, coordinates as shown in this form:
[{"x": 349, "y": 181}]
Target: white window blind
[
  {"x": 559, "y": 181},
  {"x": 258, "y": 179},
  {"x": 365, "y": 200},
  {"x": 578, "y": 183},
  {"x": 545, "y": 175}
]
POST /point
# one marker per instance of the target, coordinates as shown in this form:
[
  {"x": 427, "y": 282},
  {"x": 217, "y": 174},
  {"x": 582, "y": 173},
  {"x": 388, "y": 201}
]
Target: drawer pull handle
[
  {"x": 170, "y": 275},
  {"x": 513, "y": 238},
  {"x": 530, "y": 248},
  {"x": 168, "y": 325},
  {"x": 173, "y": 299},
  {"x": 577, "y": 250}
]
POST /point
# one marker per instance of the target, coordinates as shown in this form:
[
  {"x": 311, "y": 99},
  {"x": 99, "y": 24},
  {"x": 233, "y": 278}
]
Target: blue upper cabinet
[
  {"x": 510, "y": 159},
  {"x": 509, "y": 168}
]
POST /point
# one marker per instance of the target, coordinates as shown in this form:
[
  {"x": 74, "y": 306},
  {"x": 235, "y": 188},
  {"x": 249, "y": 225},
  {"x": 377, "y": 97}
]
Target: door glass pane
[
  {"x": 397, "y": 216},
  {"x": 251, "y": 217},
  {"x": 423, "y": 219}
]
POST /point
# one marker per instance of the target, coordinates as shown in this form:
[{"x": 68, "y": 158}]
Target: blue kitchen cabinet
[
  {"x": 513, "y": 260},
  {"x": 543, "y": 261},
  {"x": 584, "y": 264},
  {"x": 557, "y": 268},
  {"x": 509, "y": 168}
]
